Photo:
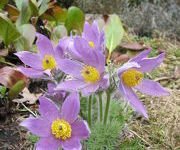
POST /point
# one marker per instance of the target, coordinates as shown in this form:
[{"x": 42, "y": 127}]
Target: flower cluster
[{"x": 82, "y": 61}]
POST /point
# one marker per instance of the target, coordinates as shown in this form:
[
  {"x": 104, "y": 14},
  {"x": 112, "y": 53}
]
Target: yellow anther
[
  {"x": 91, "y": 44},
  {"x": 61, "y": 129},
  {"x": 90, "y": 74},
  {"x": 48, "y": 62},
  {"x": 132, "y": 77}
]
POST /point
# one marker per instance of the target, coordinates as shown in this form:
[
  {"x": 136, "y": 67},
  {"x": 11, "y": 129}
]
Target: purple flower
[
  {"x": 131, "y": 77},
  {"x": 92, "y": 40},
  {"x": 42, "y": 63},
  {"x": 94, "y": 36},
  {"x": 88, "y": 76},
  {"x": 57, "y": 129},
  {"x": 57, "y": 96}
]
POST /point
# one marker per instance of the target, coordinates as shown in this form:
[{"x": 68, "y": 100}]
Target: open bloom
[
  {"x": 131, "y": 77},
  {"x": 57, "y": 129},
  {"x": 42, "y": 63},
  {"x": 88, "y": 76}
]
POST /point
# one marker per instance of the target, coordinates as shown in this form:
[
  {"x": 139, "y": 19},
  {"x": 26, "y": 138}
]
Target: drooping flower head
[
  {"x": 88, "y": 75},
  {"x": 58, "y": 129},
  {"x": 131, "y": 77},
  {"x": 42, "y": 63}
]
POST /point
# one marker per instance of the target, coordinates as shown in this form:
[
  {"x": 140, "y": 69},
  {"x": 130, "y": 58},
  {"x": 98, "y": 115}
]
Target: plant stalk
[
  {"x": 107, "y": 107},
  {"x": 100, "y": 107},
  {"x": 90, "y": 110}
]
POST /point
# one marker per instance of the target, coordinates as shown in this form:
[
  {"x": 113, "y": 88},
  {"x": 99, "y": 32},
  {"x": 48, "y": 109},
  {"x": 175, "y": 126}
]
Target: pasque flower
[
  {"x": 92, "y": 38},
  {"x": 46, "y": 60},
  {"x": 88, "y": 76},
  {"x": 57, "y": 129},
  {"x": 131, "y": 78}
]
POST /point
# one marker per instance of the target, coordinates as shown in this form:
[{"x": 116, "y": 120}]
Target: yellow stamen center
[
  {"x": 90, "y": 74},
  {"x": 132, "y": 77},
  {"x": 61, "y": 129},
  {"x": 91, "y": 44},
  {"x": 48, "y": 62}
]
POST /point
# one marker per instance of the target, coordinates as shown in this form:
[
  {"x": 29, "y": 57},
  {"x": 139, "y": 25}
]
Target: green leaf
[
  {"x": 60, "y": 14},
  {"x": 56, "y": 14},
  {"x": 25, "y": 13},
  {"x": 3, "y": 90},
  {"x": 177, "y": 53},
  {"x": 8, "y": 31},
  {"x": 19, "y": 4},
  {"x": 59, "y": 32},
  {"x": 3, "y": 3},
  {"x": 75, "y": 19},
  {"x": 21, "y": 44},
  {"x": 114, "y": 32},
  {"x": 33, "y": 138},
  {"x": 16, "y": 89},
  {"x": 34, "y": 8},
  {"x": 28, "y": 33},
  {"x": 43, "y": 6}
]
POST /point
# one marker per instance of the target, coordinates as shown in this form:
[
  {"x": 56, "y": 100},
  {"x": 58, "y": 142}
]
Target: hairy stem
[
  {"x": 107, "y": 106},
  {"x": 90, "y": 110},
  {"x": 100, "y": 107}
]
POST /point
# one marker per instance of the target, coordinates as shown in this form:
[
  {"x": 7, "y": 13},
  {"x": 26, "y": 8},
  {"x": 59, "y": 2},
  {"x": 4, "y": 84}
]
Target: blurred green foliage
[
  {"x": 107, "y": 137},
  {"x": 114, "y": 33},
  {"x": 32, "y": 138}
]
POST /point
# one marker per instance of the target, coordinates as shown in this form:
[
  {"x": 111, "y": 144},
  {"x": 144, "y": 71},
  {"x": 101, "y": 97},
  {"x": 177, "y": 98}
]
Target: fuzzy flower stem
[
  {"x": 107, "y": 106},
  {"x": 100, "y": 107},
  {"x": 109, "y": 58},
  {"x": 90, "y": 110}
]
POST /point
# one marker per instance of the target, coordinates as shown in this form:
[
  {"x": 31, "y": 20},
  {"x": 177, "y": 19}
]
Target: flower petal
[
  {"x": 88, "y": 33},
  {"x": 30, "y": 59},
  {"x": 147, "y": 64},
  {"x": 72, "y": 52},
  {"x": 71, "y": 85},
  {"x": 30, "y": 72},
  {"x": 95, "y": 28},
  {"x": 63, "y": 43},
  {"x": 91, "y": 88},
  {"x": 80, "y": 130},
  {"x": 37, "y": 126},
  {"x": 132, "y": 98},
  {"x": 71, "y": 67},
  {"x": 101, "y": 44},
  {"x": 51, "y": 87},
  {"x": 151, "y": 88},
  {"x": 87, "y": 53},
  {"x": 48, "y": 143},
  {"x": 59, "y": 52},
  {"x": 101, "y": 61},
  {"x": 44, "y": 45},
  {"x": 127, "y": 66},
  {"x": 141, "y": 56},
  {"x": 71, "y": 144},
  {"x": 104, "y": 83},
  {"x": 70, "y": 108},
  {"x": 48, "y": 109},
  {"x": 82, "y": 46}
]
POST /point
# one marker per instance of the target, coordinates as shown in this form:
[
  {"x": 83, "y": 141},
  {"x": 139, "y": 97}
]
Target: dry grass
[{"x": 162, "y": 129}]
